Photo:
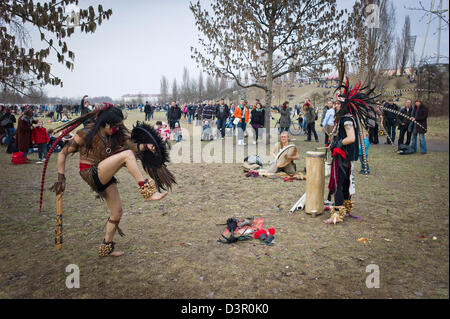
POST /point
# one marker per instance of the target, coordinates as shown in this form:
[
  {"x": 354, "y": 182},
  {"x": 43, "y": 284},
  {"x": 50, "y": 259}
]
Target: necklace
[{"x": 105, "y": 141}]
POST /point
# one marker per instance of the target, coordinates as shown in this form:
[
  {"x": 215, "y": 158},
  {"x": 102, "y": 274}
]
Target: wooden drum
[{"x": 315, "y": 182}]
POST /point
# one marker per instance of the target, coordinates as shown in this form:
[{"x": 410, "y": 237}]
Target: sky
[{"x": 146, "y": 39}]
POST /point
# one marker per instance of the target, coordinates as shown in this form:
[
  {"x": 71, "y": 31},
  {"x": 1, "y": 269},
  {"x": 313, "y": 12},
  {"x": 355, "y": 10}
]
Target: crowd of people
[
  {"x": 22, "y": 126},
  {"x": 238, "y": 116}
]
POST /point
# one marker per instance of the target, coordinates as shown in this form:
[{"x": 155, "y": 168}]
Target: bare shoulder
[{"x": 80, "y": 137}]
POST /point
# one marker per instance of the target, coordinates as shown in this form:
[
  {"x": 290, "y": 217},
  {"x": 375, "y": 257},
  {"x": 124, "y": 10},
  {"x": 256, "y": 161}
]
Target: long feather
[
  {"x": 403, "y": 115},
  {"x": 47, "y": 158}
]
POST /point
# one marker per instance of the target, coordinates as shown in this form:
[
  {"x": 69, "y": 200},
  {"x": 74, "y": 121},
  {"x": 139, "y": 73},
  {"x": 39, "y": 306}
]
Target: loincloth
[{"x": 90, "y": 176}]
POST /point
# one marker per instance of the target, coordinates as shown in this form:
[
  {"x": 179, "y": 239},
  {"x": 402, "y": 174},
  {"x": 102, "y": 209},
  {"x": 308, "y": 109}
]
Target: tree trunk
[
  {"x": 340, "y": 65},
  {"x": 269, "y": 83},
  {"x": 268, "y": 109}
]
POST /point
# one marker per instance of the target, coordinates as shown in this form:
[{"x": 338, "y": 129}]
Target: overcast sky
[{"x": 146, "y": 39}]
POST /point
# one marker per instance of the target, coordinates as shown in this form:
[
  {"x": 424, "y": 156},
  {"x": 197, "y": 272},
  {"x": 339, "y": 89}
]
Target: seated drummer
[{"x": 290, "y": 168}]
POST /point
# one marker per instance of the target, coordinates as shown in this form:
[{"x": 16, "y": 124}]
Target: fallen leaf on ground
[{"x": 364, "y": 240}]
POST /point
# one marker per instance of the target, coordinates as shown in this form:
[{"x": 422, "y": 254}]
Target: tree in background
[
  {"x": 433, "y": 85},
  {"x": 265, "y": 39},
  {"x": 164, "y": 90},
  {"x": 406, "y": 33},
  {"x": 200, "y": 87},
  {"x": 194, "y": 90},
  {"x": 440, "y": 14},
  {"x": 174, "y": 90},
  {"x": 24, "y": 68},
  {"x": 398, "y": 52},
  {"x": 223, "y": 86},
  {"x": 344, "y": 47},
  {"x": 185, "y": 91},
  {"x": 374, "y": 39}
]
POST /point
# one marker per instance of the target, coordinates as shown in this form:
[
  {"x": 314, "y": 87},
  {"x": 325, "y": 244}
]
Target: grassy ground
[{"x": 172, "y": 250}]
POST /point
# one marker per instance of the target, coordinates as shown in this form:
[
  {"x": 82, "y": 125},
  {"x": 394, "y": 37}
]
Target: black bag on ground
[
  {"x": 11, "y": 145},
  {"x": 405, "y": 149}
]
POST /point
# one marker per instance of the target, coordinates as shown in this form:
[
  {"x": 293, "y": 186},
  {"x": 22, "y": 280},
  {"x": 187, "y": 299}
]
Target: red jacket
[{"x": 39, "y": 135}]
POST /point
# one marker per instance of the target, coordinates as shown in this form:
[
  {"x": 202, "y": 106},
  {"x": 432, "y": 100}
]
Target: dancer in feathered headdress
[
  {"x": 355, "y": 112},
  {"x": 105, "y": 146}
]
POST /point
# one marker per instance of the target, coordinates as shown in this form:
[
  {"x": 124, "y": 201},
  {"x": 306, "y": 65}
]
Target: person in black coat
[
  {"x": 59, "y": 110},
  {"x": 198, "y": 113},
  {"x": 390, "y": 120},
  {"x": 173, "y": 115},
  {"x": 191, "y": 112},
  {"x": 7, "y": 122},
  {"x": 420, "y": 115},
  {"x": 147, "y": 111},
  {"x": 403, "y": 124},
  {"x": 257, "y": 120},
  {"x": 222, "y": 113}
]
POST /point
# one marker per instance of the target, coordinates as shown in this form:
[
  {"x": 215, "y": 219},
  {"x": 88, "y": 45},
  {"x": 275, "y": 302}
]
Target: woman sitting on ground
[{"x": 290, "y": 168}]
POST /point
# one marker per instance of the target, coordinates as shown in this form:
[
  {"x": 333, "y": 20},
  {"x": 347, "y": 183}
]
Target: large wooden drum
[{"x": 315, "y": 182}]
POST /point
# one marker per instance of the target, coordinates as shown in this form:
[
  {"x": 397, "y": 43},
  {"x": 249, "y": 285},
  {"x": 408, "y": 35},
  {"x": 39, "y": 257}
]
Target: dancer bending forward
[{"x": 105, "y": 146}]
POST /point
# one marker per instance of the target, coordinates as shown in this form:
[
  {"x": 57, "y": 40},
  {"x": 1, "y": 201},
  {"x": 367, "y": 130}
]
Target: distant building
[{"x": 140, "y": 98}]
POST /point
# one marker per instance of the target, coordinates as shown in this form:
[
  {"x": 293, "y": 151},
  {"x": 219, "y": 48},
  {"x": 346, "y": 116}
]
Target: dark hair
[
  {"x": 158, "y": 123},
  {"x": 112, "y": 116}
]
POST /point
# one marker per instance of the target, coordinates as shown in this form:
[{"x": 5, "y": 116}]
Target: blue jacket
[{"x": 366, "y": 144}]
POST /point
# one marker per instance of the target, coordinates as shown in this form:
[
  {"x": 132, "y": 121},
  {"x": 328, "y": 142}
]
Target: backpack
[
  {"x": 254, "y": 159},
  {"x": 18, "y": 158},
  {"x": 405, "y": 150}
]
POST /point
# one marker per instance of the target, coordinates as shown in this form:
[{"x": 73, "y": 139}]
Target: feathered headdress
[
  {"x": 359, "y": 105},
  {"x": 65, "y": 129}
]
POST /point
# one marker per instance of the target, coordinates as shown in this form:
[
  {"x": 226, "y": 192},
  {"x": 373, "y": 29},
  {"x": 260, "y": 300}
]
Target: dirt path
[{"x": 434, "y": 145}]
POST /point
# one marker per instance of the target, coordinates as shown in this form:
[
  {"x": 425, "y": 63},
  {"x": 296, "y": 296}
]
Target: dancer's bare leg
[
  {"x": 115, "y": 208},
  {"x": 111, "y": 165}
]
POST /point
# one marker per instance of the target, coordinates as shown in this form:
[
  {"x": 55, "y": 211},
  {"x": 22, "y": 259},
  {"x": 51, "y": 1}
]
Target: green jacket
[{"x": 310, "y": 115}]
